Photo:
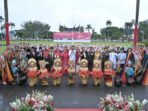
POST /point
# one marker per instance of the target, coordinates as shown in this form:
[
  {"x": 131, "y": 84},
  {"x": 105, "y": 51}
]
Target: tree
[
  {"x": 108, "y": 24},
  {"x": 36, "y": 29},
  {"x": 11, "y": 25},
  {"x": 128, "y": 28},
  {"x": 81, "y": 29},
  {"x": 114, "y": 32},
  {"x": 143, "y": 30},
  {"x": 1, "y": 20},
  {"x": 1, "y": 26},
  {"x": 88, "y": 27},
  {"x": 61, "y": 28},
  {"x": 95, "y": 35}
]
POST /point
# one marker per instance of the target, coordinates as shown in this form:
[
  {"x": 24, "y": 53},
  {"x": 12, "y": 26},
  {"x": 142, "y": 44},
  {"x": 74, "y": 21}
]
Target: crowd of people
[{"x": 33, "y": 64}]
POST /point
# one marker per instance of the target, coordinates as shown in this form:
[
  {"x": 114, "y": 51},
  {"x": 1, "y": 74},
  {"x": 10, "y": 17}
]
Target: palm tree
[
  {"x": 1, "y": 20},
  {"x": 88, "y": 27},
  {"x": 108, "y": 24},
  {"x": 128, "y": 26},
  {"x": 11, "y": 25}
]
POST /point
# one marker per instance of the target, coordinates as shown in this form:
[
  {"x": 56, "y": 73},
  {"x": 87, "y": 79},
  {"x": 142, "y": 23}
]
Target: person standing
[
  {"x": 51, "y": 58},
  {"x": 65, "y": 58},
  {"x": 83, "y": 53},
  {"x": 113, "y": 58},
  {"x": 121, "y": 58},
  {"x": 72, "y": 54},
  {"x": 90, "y": 58}
]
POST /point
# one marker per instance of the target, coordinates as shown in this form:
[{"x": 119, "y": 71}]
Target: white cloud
[{"x": 71, "y": 12}]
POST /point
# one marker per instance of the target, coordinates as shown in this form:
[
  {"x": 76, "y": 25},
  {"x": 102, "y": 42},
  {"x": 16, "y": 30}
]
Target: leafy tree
[
  {"x": 143, "y": 30},
  {"x": 95, "y": 35},
  {"x": 36, "y": 29},
  {"x": 81, "y": 29},
  {"x": 114, "y": 32},
  {"x": 61, "y": 28}
]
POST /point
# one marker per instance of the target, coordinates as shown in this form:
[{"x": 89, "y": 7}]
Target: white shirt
[
  {"x": 72, "y": 55},
  {"x": 121, "y": 58},
  {"x": 113, "y": 57}
]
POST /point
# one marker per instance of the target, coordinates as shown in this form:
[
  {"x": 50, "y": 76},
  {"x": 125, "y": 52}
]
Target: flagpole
[
  {"x": 6, "y": 23},
  {"x": 136, "y": 24}
]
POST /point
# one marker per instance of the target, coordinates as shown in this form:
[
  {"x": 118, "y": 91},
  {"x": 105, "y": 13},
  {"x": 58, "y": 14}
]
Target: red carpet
[{"x": 78, "y": 110}]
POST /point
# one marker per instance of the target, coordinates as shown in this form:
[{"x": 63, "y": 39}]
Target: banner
[{"x": 71, "y": 37}]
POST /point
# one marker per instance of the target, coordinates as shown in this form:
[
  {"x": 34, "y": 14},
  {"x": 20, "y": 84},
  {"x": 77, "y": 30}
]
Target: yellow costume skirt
[
  {"x": 32, "y": 81},
  {"x": 44, "y": 81},
  {"x": 97, "y": 81},
  {"x": 109, "y": 81},
  {"x": 83, "y": 79},
  {"x": 56, "y": 81},
  {"x": 70, "y": 81}
]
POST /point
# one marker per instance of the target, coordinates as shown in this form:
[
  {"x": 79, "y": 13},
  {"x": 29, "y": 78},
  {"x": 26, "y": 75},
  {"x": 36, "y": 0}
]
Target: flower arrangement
[
  {"x": 37, "y": 101},
  {"x": 116, "y": 102}
]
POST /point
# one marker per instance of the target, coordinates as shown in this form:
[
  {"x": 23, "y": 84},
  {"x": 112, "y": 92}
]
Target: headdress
[{"x": 32, "y": 60}]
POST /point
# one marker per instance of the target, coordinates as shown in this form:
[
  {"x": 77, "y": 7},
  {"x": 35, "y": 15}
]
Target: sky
[{"x": 74, "y": 12}]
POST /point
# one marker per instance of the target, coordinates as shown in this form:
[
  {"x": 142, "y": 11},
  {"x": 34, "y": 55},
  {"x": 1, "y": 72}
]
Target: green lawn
[{"x": 125, "y": 44}]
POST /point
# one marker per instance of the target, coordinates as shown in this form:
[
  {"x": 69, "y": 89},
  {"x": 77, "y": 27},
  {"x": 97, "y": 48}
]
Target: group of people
[{"x": 26, "y": 63}]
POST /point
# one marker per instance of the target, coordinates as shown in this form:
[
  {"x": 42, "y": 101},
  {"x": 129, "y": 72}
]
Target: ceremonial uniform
[
  {"x": 71, "y": 72},
  {"x": 56, "y": 71},
  {"x": 83, "y": 71},
  {"x": 32, "y": 72},
  {"x": 108, "y": 74},
  {"x": 97, "y": 73},
  {"x": 43, "y": 73}
]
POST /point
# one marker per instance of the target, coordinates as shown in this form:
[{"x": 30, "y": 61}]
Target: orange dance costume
[
  {"x": 83, "y": 71},
  {"x": 32, "y": 72},
  {"x": 108, "y": 74}
]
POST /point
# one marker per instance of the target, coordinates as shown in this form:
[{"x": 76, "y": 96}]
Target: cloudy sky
[{"x": 74, "y": 12}]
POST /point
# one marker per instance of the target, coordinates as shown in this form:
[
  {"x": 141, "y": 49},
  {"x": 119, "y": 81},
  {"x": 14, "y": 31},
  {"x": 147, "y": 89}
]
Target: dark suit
[
  {"x": 90, "y": 58},
  {"x": 84, "y": 55},
  {"x": 51, "y": 60}
]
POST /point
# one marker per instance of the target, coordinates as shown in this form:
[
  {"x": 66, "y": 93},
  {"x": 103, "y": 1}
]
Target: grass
[{"x": 99, "y": 43}]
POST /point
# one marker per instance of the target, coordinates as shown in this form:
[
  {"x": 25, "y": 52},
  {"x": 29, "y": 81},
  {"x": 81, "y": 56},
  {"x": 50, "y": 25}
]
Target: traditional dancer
[
  {"x": 97, "y": 73},
  {"x": 71, "y": 72},
  {"x": 43, "y": 73},
  {"x": 56, "y": 71},
  {"x": 108, "y": 74},
  {"x": 7, "y": 76},
  {"x": 32, "y": 72},
  {"x": 83, "y": 71}
]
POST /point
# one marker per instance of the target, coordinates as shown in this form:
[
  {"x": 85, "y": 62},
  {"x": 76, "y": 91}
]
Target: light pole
[
  {"x": 136, "y": 24},
  {"x": 6, "y": 23}
]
